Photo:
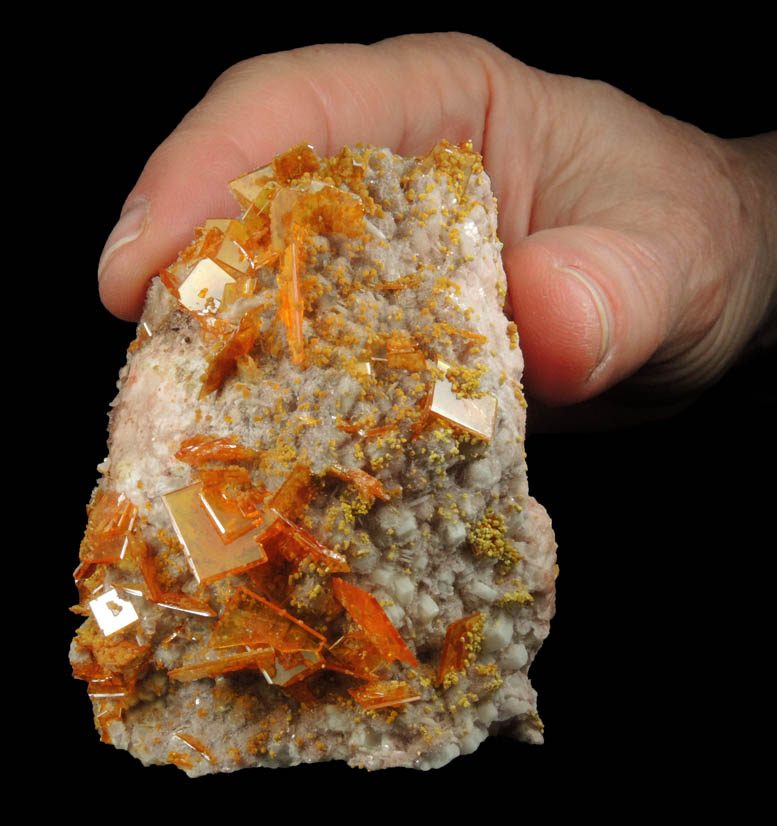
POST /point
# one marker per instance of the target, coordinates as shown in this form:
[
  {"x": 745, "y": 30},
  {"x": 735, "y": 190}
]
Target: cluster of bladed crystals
[{"x": 229, "y": 525}]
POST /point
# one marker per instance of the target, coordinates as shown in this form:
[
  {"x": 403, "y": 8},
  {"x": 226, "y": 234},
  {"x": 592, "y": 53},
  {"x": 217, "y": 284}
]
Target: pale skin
[{"x": 641, "y": 253}]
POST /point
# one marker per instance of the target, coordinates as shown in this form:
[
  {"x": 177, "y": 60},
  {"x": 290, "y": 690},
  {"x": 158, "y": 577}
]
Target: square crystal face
[
  {"x": 208, "y": 556},
  {"x": 203, "y": 290},
  {"x": 112, "y": 613},
  {"x": 476, "y": 416},
  {"x": 230, "y": 525}
]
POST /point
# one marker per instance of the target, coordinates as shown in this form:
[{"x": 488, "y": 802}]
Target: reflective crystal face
[
  {"x": 201, "y": 292},
  {"x": 476, "y": 416},
  {"x": 112, "y": 612},
  {"x": 210, "y": 559}
]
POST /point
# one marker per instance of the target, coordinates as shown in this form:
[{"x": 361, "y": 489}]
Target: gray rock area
[{"x": 406, "y": 370}]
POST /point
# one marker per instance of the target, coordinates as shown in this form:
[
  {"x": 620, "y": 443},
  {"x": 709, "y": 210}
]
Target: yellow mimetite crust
[{"x": 269, "y": 596}]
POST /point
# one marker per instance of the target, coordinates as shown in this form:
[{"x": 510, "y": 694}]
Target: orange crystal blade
[
  {"x": 201, "y": 449},
  {"x": 307, "y": 545},
  {"x": 363, "y": 608},
  {"x": 209, "y": 558},
  {"x": 462, "y": 643},
  {"x": 295, "y": 494},
  {"x": 261, "y": 658},
  {"x": 365, "y": 483},
  {"x": 290, "y": 298},
  {"x": 252, "y": 620},
  {"x": 384, "y": 694},
  {"x": 355, "y": 655}
]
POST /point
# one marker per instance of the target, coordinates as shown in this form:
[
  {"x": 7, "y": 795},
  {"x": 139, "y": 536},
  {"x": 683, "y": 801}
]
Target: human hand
[{"x": 641, "y": 253}]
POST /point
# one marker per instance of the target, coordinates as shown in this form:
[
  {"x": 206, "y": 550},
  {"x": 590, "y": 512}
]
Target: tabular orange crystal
[
  {"x": 209, "y": 558},
  {"x": 203, "y": 288},
  {"x": 109, "y": 686},
  {"x": 384, "y": 694},
  {"x": 174, "y": 600},
  {"x": 247, "y": 188},
  {"x": 240, "y": 344},
  {"x": 364, "y": 609},
  {"x": 261, "y": 658},
  {"x": 355, "y": 655},
  {"x": 231, "y": 501},
  {"x": 401, "y": 353},
  {"x": 365, "y": 483},
  {"x": 252, "y": 620},
  {"x": 462, "y": 643},
  {"x": 291, "y": 306},
  {"x": 201, "y": 449},
  {"x": 303, "y": 544},
  {"x": 293, "y": 666},
  {"x": 231, "y": 488},
  {"x": 271, "y": 580},
  {"x": 111, "y": 519},
  {"x": 295, "y": 494},
  {"x": 111, "y": 514}
]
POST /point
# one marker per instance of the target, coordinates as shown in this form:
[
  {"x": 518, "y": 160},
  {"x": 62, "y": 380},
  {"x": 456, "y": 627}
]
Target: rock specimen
[{"x": 312, "y": 539}]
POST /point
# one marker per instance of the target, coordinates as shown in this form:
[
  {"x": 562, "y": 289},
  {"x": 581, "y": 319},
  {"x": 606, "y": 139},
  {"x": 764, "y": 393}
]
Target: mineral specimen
[{"x": 312, "y": 539}]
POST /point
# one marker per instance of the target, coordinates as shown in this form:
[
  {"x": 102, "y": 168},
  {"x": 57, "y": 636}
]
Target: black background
[{"x": 651, "y": 681}]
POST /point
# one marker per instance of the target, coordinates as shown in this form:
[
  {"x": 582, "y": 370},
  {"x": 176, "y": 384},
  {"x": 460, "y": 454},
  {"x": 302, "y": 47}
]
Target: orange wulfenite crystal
[
  {"x": 201, "y": 449},
  {"x": 252, "y": 620},
  {"x": 384, "y": 695},
  {"x": 231, "y": 489},
  {"x": 366, "y": 484},
  {"x": 304, "y": 544},
  {"x": 291, "y": 307},
  {"x": 355, "y": 655},
  {"x": 463, "y": 639},
  {"x": 295, "y": 494},
  {"x": 209, "y": 558},
  {"x": 111, "y": 519},
  {"x": 293, "y": 666},
  {"x": 364, "y": 609},
  {"x": 240, "y": 344},
  {"x": 262, "y": 658}
]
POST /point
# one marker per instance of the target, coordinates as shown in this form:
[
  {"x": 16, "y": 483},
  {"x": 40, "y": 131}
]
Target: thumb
[{"x": 589, "y": 307}]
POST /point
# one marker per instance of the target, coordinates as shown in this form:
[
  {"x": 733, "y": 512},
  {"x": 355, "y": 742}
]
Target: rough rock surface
[{"x": 327, "y": 354}]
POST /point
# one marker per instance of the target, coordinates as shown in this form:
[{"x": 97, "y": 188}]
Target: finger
[
  {"x": 589, "y": 307},
  {"x": 404, "y": 93}
]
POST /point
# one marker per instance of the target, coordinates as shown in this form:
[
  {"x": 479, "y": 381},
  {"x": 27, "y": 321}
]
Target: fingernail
[
  {"x": 129, "y": 227},
  {"x": 598, "y": 301}
]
